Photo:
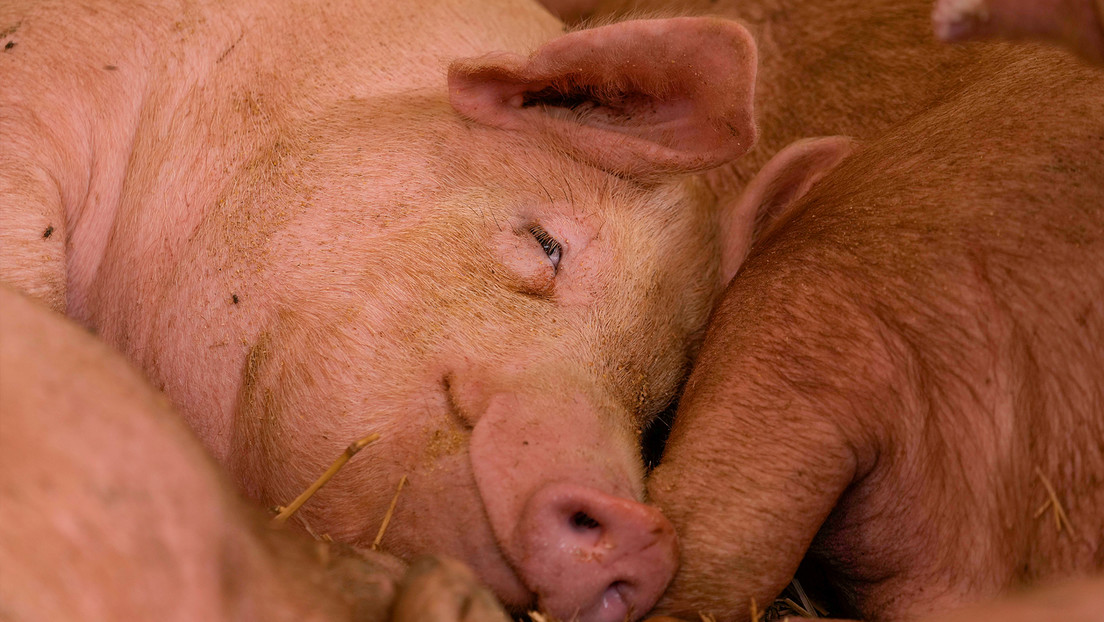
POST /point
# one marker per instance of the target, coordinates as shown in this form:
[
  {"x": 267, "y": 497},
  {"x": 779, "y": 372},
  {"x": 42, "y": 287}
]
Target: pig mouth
[{"x": 489, "y": 562}]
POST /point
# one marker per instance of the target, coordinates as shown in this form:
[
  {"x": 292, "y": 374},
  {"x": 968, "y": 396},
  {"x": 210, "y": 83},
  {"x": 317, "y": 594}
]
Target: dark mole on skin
[
  {"x": 234, "y": 298},
  {"x": 48, "y": 232},
  {"x": 110, "y": 67}
]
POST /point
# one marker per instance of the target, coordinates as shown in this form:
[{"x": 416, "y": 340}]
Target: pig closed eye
[{"x": 551, "y": 247}]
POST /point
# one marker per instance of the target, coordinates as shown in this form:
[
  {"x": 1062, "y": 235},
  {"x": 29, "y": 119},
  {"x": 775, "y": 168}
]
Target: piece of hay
[
  {"x": 387, "y": 516},
  {"x": 286, "y": 512},
  {"x": 1060, "y": 516}
]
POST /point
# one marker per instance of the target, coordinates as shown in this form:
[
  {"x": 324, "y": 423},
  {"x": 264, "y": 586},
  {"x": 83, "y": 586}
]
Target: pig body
[
  {"x": 909, "y": 367},
  {"x": 452, "y": 227}
]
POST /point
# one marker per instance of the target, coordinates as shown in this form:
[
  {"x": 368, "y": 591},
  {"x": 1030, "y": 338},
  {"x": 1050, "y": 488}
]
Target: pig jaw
[{"x": 563, "y": 506}]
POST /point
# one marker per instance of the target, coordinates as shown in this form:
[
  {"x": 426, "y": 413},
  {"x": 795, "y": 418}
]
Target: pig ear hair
[
  {"x": 642, "y": 98},
  {"x": 771, "y": 194}
]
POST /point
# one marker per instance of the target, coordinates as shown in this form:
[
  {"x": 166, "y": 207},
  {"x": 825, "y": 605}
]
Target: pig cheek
[{"x": 439, "y": 511}]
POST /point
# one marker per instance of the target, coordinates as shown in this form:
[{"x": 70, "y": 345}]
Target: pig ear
[
  {"x": 637, "y": 98},
  {"x": 778, "y": 185}
]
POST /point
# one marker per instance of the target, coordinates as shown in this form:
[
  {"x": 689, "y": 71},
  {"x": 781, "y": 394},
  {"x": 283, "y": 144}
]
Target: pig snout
[
  {"x": 563, "y": 497},
  {"x": 594, "y": 556}
]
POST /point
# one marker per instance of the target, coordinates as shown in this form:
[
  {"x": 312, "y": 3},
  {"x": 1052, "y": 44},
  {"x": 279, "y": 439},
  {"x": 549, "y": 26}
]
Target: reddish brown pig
[
  {"x": 455, "y": 226},
  {"x": 1078, "y": 24},
  {"x": 904, "y": 383},
  {"x": 111, "y": 510}
]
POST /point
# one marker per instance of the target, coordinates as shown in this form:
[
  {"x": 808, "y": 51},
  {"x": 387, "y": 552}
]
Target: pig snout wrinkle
[{"x": 594, "y": 557}]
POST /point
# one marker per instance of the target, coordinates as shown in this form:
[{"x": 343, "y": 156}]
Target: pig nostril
[{"x": 582, "y": 521}]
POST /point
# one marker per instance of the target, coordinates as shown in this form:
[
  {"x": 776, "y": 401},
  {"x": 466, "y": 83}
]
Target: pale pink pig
[
  {"x": 904, "y": 384},
  {"x": 451, "y": 224}
]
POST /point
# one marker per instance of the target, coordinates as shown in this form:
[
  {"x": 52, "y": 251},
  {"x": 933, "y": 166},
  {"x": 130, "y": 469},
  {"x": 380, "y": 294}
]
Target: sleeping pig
[{"x": 455, "y": 226}]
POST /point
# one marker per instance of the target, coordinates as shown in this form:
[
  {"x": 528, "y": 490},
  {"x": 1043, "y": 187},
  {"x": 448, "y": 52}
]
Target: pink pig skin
[{"x": 457, "y": 227}]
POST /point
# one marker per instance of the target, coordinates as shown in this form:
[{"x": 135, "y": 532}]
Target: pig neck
[
  {"x": 840, "y": 67},
  {"x": 216, "y": 88}
]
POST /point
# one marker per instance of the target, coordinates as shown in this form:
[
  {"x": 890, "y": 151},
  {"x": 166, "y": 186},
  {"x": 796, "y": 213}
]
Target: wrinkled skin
[
  {"x": 905, "y": 364},
  {"x": 1076, "y": 24},
  {"x": 113, "y": 511},
  {"x": 458, "y": 228}
]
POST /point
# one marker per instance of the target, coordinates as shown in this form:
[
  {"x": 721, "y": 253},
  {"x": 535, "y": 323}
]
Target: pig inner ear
[
  {"x": 773, "y": 191},
  {"x": 637, "y": 98}
]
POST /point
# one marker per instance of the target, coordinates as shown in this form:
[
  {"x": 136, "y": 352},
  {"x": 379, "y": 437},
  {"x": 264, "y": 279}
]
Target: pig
[
  {"x": 457, "y": 227},
  {"x": 111, "y": 510},
  {"x": 902, "y": 386},
  {"x": 1077, "y": 24}
]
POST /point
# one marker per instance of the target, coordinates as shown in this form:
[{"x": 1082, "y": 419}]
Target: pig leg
[{"x": 1078, "y": 24}]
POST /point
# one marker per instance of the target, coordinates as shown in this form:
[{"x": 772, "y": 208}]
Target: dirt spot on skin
[
  {"x": 443, "y": 443},
  {"x": 227, "y": 51},
  {"x": 252, "y": 403},
  {"x": 7, "y": 32}
]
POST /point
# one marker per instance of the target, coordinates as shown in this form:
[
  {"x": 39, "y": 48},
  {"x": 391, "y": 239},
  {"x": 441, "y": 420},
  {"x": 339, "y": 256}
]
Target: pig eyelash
[{"x": 551, "y": 247}]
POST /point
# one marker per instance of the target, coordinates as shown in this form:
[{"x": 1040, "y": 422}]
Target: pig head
[
  {"x": 499, "y": 264},
  {"x": 511, "y": 341}
]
